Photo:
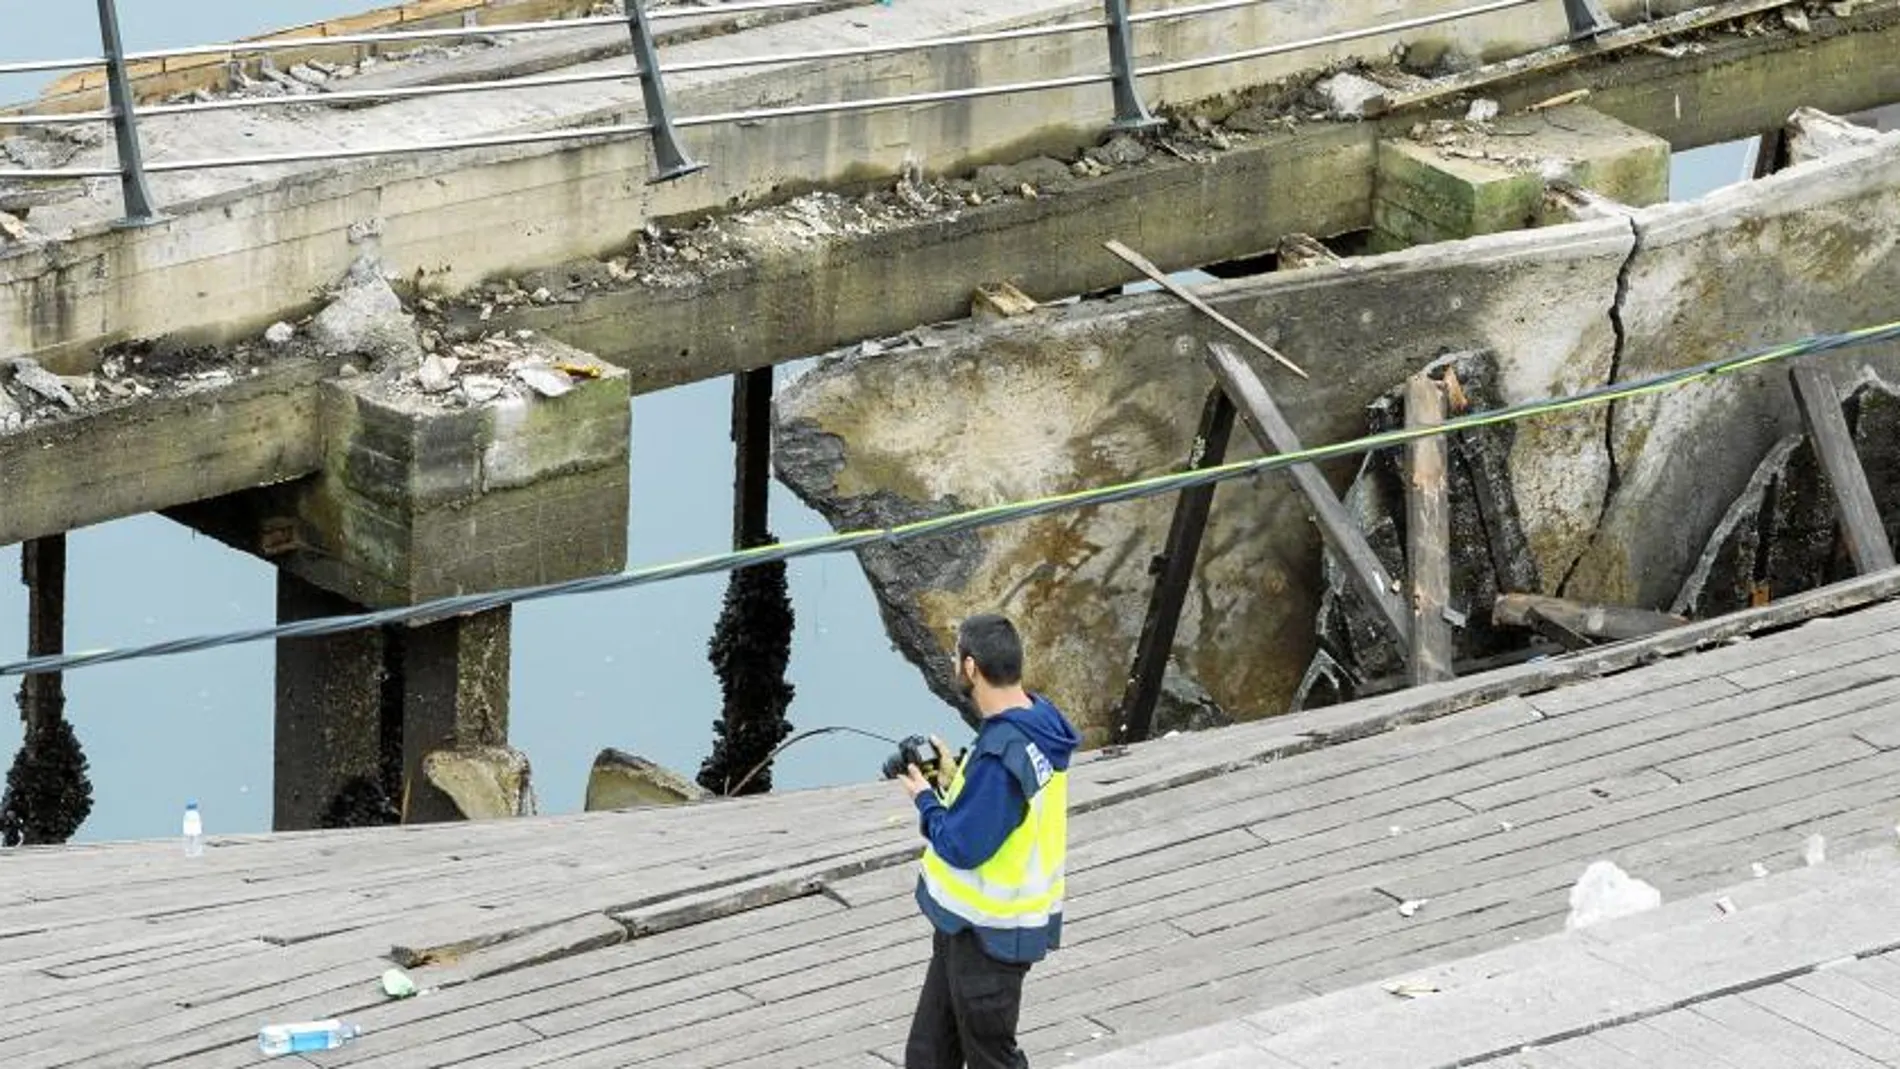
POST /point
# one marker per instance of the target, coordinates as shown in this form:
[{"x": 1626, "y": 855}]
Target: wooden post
[
  {"x": 752, "y": 456},
  {"x": 1274, "y": 433},
  {"x": 43, "y": 570},
  {"x": 1427, "y": 535},
  {"x": 1771, "y": 152},
  {"x": 1853, "y": 499},
  {"x": 1173, "y": 568}
]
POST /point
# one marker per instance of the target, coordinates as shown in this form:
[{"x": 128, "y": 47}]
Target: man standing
[{"x": 992, "y": 877}]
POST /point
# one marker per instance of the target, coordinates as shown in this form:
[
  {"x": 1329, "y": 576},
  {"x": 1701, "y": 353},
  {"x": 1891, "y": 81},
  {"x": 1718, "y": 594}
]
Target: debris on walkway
[{"x": 1605, "y": 892}]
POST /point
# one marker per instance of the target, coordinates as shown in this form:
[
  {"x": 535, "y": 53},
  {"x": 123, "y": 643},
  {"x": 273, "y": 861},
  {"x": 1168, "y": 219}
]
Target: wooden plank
[
  {"x": 1427, "y": 535},
  {"x": 1821, "y": 660},
  {"x": 1699, "y": 1032},
  {"x": 1275, "y": 434},
  {"x": 1797, "y": 1046},
  {"x": 1186, "y": 296},
  {"x": 442, "y": 1051},
  {"x": 1612, "y": 622},
  {"x": 591, "y": 932},
  {"x": 1590, "y": 1052},
  {"x": 1654, "y": 1046},
  {"x": 1853, "y": 499},
  {"x": 1175, "y": 566},
  {"x": 1823, "y": 1018}
]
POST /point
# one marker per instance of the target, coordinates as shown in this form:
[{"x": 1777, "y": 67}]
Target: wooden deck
[
  {"x": 1792, "y": 969},
  {"x": 1212, "y": 876}
]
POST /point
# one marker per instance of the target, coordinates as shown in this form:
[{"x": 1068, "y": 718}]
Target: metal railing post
[
  {"x": 139, "y": 209},
  {"x": 673, "y": 161},
  {"x": 1130, "y": 112},
  {"x": 1587, "y": 19}
]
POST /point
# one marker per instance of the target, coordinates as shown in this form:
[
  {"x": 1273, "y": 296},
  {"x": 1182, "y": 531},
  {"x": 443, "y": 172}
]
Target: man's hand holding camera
[{"x": 915, "y": 782}]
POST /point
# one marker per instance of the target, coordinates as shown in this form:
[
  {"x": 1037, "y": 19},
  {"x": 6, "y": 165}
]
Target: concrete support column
[
  {"x": 329, "y": 710},
  {"x": 491, "y": 484},
  {"x": 454, "y": 697}
]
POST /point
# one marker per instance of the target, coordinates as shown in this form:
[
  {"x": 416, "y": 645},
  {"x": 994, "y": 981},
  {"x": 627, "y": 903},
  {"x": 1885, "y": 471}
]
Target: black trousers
[{"x": 967, "y": 1012}]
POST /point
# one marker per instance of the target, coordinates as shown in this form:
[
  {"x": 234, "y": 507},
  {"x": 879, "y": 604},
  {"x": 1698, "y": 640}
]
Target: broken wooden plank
[
  {"x": 1275, "y": 434},
  {"x": 1853, "y": 498},
  {"x": 1173, "y": 569},
  {"x": 578, "y": 936},
  {"x": 1159, "y": 278},
  {"x": 1603, "y": 622},
  {"x": 1427, "y": 535}
]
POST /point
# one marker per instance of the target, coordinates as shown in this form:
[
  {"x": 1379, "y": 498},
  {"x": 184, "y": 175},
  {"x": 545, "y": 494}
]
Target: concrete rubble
[
  {"x": 485, "y": 783},
  {"x": 367, "y": 319},
  {"x": 620, "y": 780}
]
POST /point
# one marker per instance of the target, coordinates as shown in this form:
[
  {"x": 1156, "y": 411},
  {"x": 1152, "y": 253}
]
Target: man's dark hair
[{"x": 991, "y": 640}]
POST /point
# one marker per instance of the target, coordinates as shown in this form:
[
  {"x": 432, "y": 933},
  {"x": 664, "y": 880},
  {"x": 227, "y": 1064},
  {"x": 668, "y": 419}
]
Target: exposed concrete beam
[
  {"x": 157, "y": 451},
  {"x": 794, "y": 302},
  {"x": 242, "y": 248}
]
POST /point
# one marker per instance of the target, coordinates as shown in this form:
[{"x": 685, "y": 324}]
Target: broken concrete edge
[
  {"x": 951, "y": 255},
  {"x": 1293, "y": 735},
  {"x": 163, "y": 450},
  {"x": 428, "y": 195},
  {"x": 58, "y": 346}
]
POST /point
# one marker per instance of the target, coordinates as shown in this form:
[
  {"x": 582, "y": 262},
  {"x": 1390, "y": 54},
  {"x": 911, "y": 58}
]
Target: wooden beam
[
  {"x": 1427, "y": 535},
  {"x": 1604, "y": 622},
  {"x": 1158, "y": 277},
  {"x": 43, "y": 570},
  {"x": 1275, "y": 434},
  {"x": 1556, "y": 631},
  {"x": 752, "y": 456},
  {"x": 1853, "y": 499},
  {"x": 1173, "y": 568}
]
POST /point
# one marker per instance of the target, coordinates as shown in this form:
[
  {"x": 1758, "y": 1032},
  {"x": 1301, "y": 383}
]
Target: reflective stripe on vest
[{"x": 1021, "y": 885}]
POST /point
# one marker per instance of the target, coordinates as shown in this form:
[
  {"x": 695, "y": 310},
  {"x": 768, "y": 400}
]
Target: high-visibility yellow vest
[{"x": 1021, "y": 885}]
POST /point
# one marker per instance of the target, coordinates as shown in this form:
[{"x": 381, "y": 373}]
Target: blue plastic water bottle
[{"x": 276, "y": 1039}]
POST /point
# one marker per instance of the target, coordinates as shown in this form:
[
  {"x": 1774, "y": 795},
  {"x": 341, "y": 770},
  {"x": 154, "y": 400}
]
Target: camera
[{"x": 914, "y": 750}]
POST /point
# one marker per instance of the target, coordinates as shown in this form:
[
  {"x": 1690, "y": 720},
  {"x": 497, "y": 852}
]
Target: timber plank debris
[
  {"x": 1274, "y": 434},
  {"x": 1213, "y": 876}
]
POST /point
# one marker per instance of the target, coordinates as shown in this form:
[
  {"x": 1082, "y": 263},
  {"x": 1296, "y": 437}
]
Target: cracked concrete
[
  {"x": 1612, "y": 477},
  {"x": 1617, "y": 504},
  {"x": 1811, "y": 250}
]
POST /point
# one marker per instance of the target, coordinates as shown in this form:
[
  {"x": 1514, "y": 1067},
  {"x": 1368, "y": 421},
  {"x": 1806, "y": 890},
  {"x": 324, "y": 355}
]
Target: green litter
[{"x": 396, "y": 984}]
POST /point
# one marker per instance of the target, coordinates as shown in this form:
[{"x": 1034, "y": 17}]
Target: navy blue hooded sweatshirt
[{"x": 997, "y": 784}]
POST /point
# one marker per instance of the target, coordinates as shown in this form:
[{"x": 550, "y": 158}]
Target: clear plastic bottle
[
  {"x": 194, "y": 831},
  {"x": 276, "y": 1039}
]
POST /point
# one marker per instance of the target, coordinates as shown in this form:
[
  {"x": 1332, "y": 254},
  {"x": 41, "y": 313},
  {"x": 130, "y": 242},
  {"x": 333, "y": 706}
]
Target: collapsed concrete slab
[
  {"x": 1094, "y": 394},
  {"x": 1098, "y": 393}
]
